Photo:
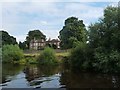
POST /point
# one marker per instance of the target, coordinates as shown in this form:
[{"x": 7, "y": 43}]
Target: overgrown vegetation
[
  {"x": 106, "y": 61},
  {"x": 47, "y": 56},
  {"x": 102, "y": 53},
  {"x": 0, "y": 54},
  {"x": 81, "y": 57},
  {"x": 11, "y": 54}
]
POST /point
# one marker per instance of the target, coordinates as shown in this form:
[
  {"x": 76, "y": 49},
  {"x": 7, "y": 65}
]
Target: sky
[{"x": 18, "y": 17}]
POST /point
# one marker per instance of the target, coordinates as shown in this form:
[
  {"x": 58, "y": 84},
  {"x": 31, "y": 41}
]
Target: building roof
[{"x": 43, "y": 41}]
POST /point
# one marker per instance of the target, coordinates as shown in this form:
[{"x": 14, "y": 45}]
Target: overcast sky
[{"x": 18, "y": 17}]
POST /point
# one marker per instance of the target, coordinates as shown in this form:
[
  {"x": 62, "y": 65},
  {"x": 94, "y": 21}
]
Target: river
[{"x": 34, "y": 76}]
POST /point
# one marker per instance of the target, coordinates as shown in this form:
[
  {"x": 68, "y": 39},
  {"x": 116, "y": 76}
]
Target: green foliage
[
  {"x": 72, "y": 33},
  {"x": 47, "y": 56},
  {"x": 31, "y": 60},
  {"x": 0, "y": 39},
  {"x": 0, "y": 55},
  {"x": 22, "y": 62},
  {"x": 104, "y": 38},
  {"x": 54, "y": 46},
  {"x": 23, "y": 45},
  {"x": 35, "y": 34},
  {"x": 7, "y": 39},
  {"x": 11, "y": 53},
  {"x": 103, "y": 50},
  {"x": 107, "y": 61},
  {"x": 81, "y": 57},
  {"x": 106, "y": 33}
]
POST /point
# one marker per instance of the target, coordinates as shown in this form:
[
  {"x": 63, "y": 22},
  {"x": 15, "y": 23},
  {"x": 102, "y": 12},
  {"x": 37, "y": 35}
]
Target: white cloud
[
  {"x": 84, "y": 11},
  {"x": 51, "y": 33},
  {"x": 14, "y": 12},
  {"x": 21, "y": 17}
]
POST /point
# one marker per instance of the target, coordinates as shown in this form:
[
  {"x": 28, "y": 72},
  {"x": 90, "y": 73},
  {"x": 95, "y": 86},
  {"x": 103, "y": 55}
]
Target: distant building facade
[{"x": 41, "y": 43}]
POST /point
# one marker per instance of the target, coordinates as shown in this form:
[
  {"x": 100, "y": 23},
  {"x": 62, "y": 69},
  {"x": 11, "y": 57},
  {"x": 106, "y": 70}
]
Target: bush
[
  {"x": 107, "y": 61},
  {"x": 11, "y": 53},
  {"x": 31, "y": 60},
  {"x": 81, "y": 57},
  {"x": 47, "y": 56},
  {"x": 0, "y": 54}
]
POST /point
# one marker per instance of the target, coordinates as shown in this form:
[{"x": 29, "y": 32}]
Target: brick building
[{"x": 41, "y": 43}]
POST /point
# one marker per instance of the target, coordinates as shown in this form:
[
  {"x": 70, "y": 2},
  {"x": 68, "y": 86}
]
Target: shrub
[
  {"x": 0, "y": 54},
  {"x": 81, "y": 57},
  {"x": 11, "y": 53},
  {"x": 47, "y": 56},
  {"x": 107, "y": 61},
  {"x": 21, "y": 61},
  {"x": 31, "y": 60}
]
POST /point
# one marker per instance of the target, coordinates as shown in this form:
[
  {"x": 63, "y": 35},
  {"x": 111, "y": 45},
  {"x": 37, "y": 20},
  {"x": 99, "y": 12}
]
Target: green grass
[
  {"x": 31, "y": 58},
  {"x": 62, "y": 54},
  {"x": 31, "y": 55}
]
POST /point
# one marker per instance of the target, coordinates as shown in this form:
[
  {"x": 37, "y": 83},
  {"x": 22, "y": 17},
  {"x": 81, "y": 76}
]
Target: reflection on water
[
  {"x": 43, "y": 76},
  {"x": 89, "y": 80},
  {"x": 33, "y": 76},
  {"x": 9, "y": 70},
  {"x": 34, "y": 71}
]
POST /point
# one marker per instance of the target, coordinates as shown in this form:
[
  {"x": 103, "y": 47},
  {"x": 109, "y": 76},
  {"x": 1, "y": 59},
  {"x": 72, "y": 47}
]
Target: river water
[{"x": 34, "y": 76}]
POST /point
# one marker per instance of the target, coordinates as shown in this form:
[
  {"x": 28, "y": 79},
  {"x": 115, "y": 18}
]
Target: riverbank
[
  {"x": 37, "y": 52},
  {"x": 32, "y": 55}
]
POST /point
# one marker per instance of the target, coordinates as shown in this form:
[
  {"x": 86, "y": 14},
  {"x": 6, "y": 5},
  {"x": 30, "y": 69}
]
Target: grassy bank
[{"x": 32, "y": 55}]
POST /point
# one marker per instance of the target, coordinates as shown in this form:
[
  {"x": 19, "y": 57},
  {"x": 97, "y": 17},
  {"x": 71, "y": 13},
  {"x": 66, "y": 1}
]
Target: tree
[
  {"x": 54, "y": 46},
  {"x": 73, "y": 32},
  {"x": 102, "y": 53},
  {"x": 104, "y": 38},
  {"x": 7, "y": 39},
  {"x": 106, "y": 33},
  {"x": 35, "y": 34},
  {"x": 23, "y": 45}
]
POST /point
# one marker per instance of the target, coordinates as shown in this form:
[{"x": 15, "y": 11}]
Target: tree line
[{"x": 96, "y": 48}]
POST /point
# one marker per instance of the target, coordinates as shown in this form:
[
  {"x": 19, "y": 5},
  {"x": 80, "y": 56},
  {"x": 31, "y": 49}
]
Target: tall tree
[
  {"x": 7, "y": 39},
  {"x": 23, "y": 45},
  {"x": 35, "y": 34},
  {"x": 106, "y": 32},
  {"x": 72, "y": 33}
]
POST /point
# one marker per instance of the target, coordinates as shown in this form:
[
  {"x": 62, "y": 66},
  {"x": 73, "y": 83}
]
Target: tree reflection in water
[
  {"x": 56, "y": 77},
  {"x": 34, "y": 71},
  {"x": 36, "y": 75},
  {"x": 89, "y": 80},
  {"x": 9, "y": 70}
]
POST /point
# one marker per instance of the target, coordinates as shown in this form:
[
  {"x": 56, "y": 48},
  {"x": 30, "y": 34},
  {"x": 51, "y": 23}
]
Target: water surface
[{"x": 34, "y": 76}]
